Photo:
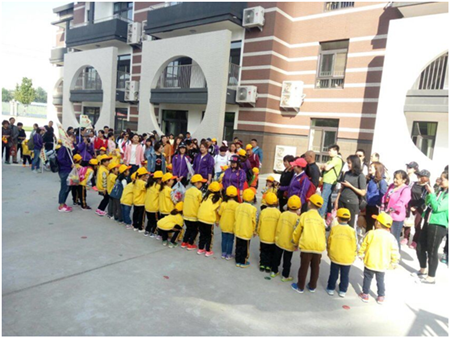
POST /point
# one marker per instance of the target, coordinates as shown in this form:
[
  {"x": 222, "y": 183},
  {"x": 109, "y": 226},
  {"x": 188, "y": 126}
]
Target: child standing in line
[
  {"x": 84, "y": 181},
  {"x": 270, "y": 187},
  {"x": 207, "y": 217},
  {"x": 172, "y": 223},
  {"x": 152, "y": 203},
  {"x": 227, "y": 213},
  {"x": 342, "y": 252},
  {"x": 26, "y": 153},
  {"x": 244, "y": 228},
  {"x": 139, "y": 192},
  {"x": 101, "y": 152},
  {"x": 74, "y": 189},
  {"x": 111, "y": 180},
  {"x": 267, "y": 227},
  {"x": 192, "y": 200},
  {"x": 310, "y": 237},
  {"x": 102, "y": 179},
  {"x": 166, "y": 204},
  {"x": 284, "y": 248},
  {"x": 379, "y": 250},
  {"x": 122, "y": 178},
  {"x": 126, "y": 201}
]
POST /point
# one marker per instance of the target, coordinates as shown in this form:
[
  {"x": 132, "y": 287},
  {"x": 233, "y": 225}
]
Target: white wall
[
  {"x": 103, "y": 10},
  {"x": 411, "y": 45},
  {"x": 57, "y": 73}
]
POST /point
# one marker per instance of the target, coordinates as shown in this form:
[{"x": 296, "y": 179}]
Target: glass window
[
  {"x": 332, "y": 61},
  {"x": 228, "y": 128},
  {"x": 174, "y": 122},
  {"x": 123, "y": 10},
  {"x": 424, "y": 136},
  {"x": 123, "y": 70},
  {"x": 331, "y": 6},
  {"x": 322, "y": 135},
  {"x": 93, "y": 113}
]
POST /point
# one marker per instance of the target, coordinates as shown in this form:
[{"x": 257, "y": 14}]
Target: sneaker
[
  {"x": 404, "y": 241},
  {"x": 380, "y": 300},
  {"x": 173, "y": 245},
  {"x": 141, "y": 231},
  {"x": 87, "y": 207},
  {"x": 184, "y": 245},
  {"x": 330, "y": 292},
  {"x": 342, "y": 294},
  {"x": 267, "y": 269},
  {"x": 99, "y": 212},
  {"x": 152, "y": 235},
  {"x": 191, "y": 247},
  {"x": 444, "y": 259},
  {"x": 201, "y": 251},
  {"x": 164, "y": 243},
  {"x": 419, "y": 274},
  {"x": 146, "y": 234},
  {"x": 228, "y": 257},
  {"x": 128, "y": 227},
  {"x": 64, "y": 209},
  {"x": 295, "y": 287},
  {"x": 224, "y": 255},
  {"x": 24, "y": 165},
  {"x": 287, "y": 279},
  {"x": 310, "y": 290},
  {"x": 273, "y": 274},
  {"x": 158, "y": 237},
  {"x": 68, "y": 208},
  {"x": 94, "y": 188},
  {"x": 246, "y": 265},
  {"x": 209, "y": 253},
  {"x": 238, "y": 265},
  {"x": 262, "y": 268},
  {"x": 364, "y": 297}
]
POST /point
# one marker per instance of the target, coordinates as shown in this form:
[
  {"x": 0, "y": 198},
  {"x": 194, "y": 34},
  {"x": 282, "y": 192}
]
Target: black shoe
[
  {"x": 262, "y": 268},
  {"x": 16, "y": 162},
  {"x": 268, "y": 269}
]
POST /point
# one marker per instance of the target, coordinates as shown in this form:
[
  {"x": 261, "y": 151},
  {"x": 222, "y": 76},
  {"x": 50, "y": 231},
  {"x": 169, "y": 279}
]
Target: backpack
[
  {"x": 31, "y": 142},
  {"x": 312, "y": 188},
  {"x": 54, "y": 165},
  {"x": 339, "y": 176},
  {"x": 117, "y": 190}
]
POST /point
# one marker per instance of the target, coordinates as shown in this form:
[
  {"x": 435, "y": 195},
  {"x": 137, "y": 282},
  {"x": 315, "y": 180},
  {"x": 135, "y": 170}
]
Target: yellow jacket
[
  {"x": 166, "y": 204},
  {"x": 265, "y": 191},
  {"x": 139, "y": 192},
  {"x": 310, "y": 235},
  {"x": 152, "y": 198},
  {"x": 25, "y": 150},
  {"x": 127, "y": 195},
  {"x": 207, "y": 212},
  {"x": 227, "y": 213},
  {"x": 110, "y": 183},
  {"x": 169, "y": 222},
  {"x": 245, "y": 222},
  {"x": 342, "y": 244},
  {"x": 380, "y": 249},
  {"x": 285, "y": 227},
  {"x": 192, "y": 200},
  {"x": 267, "y": 225},
  {"x": 102, "y": 175},
  {"x": 88, "y": 176}
]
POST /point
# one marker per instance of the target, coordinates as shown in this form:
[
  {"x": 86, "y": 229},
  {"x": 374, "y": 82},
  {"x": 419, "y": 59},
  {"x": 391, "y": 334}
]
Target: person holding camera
[{"x": 86, "y": 150}]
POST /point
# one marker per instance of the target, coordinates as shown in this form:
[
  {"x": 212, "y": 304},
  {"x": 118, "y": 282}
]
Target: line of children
[
  {"x": 152, "y": 203},
  {"x": 139, "y": 194},
  {"x": 244, "y": 228},
  {"x": 227, "y": 213}
]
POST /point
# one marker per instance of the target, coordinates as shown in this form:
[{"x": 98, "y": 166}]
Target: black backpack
[{"x": 54, "y": 165}]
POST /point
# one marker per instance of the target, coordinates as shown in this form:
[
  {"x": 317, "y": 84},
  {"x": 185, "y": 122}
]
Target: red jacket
[
  {"x": 254, "y": 161},
  {"x": 98, "y": 143}
]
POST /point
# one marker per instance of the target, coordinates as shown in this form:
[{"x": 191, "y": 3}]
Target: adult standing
[
  {"x": 312, "y": 169},
  {"x": 210, "y": 145},
  {"x": 300, "y": 182},
  {"x": 331, "y": 172},
  {"x": 417, "y": 204},
  {"x": 376, "y": 188},
  {"x": 123, "y": 143},
  {"x": 49, "y": 137},
  {"x": 252, "y": 157},
  {"x": 6, "y": 140},
  {"x": 65, "y": 167},
  {"x": 100, "y": 141},
  {"x": 245, "y": 163},
  {"x": 86, "y": 150},
  {"x": 353, "y": 188},
  {"x": 215, "y": 145},
  {"x": 257, "y": 150},
  {"x": 14, "y": 139},
  {"x": 412, "y": 168},
  {"x": 220, "y": 160},
  {"x": 38, "y": 145},
  {"x": 233, "y": 149},
  {"x": 285, "y": 180},
  {"x": 167, "y": 149},
  {"x": 155, "y": 158},
  {"x": 362, "y": 157},
  {"x": 204, "y": 163},
  {"x": 179, "y": 165},
  {"x": 234, "y": 176},
  {"x": 22, "y": 136},
  {"x": 134, "y": 154}
]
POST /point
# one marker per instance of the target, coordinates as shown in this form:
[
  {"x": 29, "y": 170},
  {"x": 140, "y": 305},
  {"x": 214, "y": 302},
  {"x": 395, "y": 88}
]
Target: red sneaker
[
  {"x": 191, "y": 247},
  {"x": 364, "y": 297},
  {"x": 184, "y": 245},
  {"x": 201, "y": 251},
  {"x": 94, "y": 188},
  {"x": 380, "y": 300},
  {"x": 209, "y": 253}
]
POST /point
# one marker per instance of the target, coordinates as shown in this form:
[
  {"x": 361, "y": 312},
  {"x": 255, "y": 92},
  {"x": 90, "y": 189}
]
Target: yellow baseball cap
[
  {"x": 103, "y": 148},
  {"x": 317, "y": 200},
  {"x": 167, "y": 176},
  {"x": 198, "y": 178},
  {"x": 224, "y": 167},
  {"x": 142, "y": 171},
  {"x": 214, "y": 187},
  {"x": 93, "y": 161},
  {"x": 248, "y": 195},
  {"x": 271, "y": 198},
  {"x": 343, "y": 213},
  {"x": 103, "y": 157},
  {"x": 77, "y": 157},
  {"x": 158, "y": 174},
  {"x": 384, "y": 219},
  {"x": 179, "y": 206},
  {"x": 294, "y": 202},
  {"x": 123, "y": 168},
  {"x": 231, "y": 191},
  {"x": 248, "y": 147},
  {"x": 242, "y": 152},
  {"x": 133, "y": 177},
  {"x": 113, "y": 165},
  {"x": 270, "y": 179},
  {"x": 255, "y": 170},
  {"x": 214, "y": 139}
]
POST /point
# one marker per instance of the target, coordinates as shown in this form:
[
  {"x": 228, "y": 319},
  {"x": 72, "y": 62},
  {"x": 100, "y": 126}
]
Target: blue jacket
[
  {"x": 150, "y": 156},
  {"x": 64, "y": 161},
  {"x": 375, "y": 192},
  {"x": 38, "y": 141},
  {"x": 179, "y": 166},
  {"x": 258, "y": 151},
  {"x": 85, "y": 151}
]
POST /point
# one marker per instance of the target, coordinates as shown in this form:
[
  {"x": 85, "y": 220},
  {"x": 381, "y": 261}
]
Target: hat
[
  {"x": 343, "y": 213},
  {"x": 248, "y": 147},
  {"x": 123, "y": 168},
  {"x": 255, "y": 170},
  {"x": 225, "y": 143},
  {"x": 167, "y": 176},
  {"x": 224, "y": 167},
  {"x": 103, "y": 148},
  {"x": 113, "y": 165},
  {"x": 93, "y": 161},
  {"x": 103, "y": 158},
  {"x": 182, "y": 145},
  {"x": 142, "y": 171},
  {"x": 77, "y": 157},
  {"x": 294, "y": 202},
  {"x": 214, "y": 140},
  {"x": 413, "y": 164},
  {"x": 198, "y": 178},
  {"x": 384, "y": 219},
  {"x": 179, "y": 206},
  {"x": 169, "y": 166},
  {"x": 271, "y": 198},
  {"x": 300, "y": 162},
  {"x": 317, "y": 200},
  {"x": 133, "y": 176},
  {"x": 234, "y": 159},
  {"x": 158, "y": 174},
  {"x": 242, "y": 152},
  {"x": 231, "y": 191},
  {"x": 424, "y": 173},
  {"x": 214, "y": 187},
  {"x": 208, "y": 139},
  {"x": 248, "y": 195},
  {"x": 270, "y": 179}
]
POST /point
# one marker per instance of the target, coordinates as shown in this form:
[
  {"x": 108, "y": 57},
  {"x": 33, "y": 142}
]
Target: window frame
[
  {"x": 320, "y": 154},
  {"x": 339, "y": 7},
  {"x": 124, "y": 7},
  {"x": 426, "y": 137},
  {"x": 333, "y": 52}
]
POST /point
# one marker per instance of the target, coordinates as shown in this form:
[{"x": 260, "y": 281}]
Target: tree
[
  {"x": 25, "y": 93},
  {"x": 6, "y": 95},
  {"x": 41, "y": 95}
]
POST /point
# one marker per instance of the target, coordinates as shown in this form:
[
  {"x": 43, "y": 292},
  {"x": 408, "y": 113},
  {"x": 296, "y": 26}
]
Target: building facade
[{"x": 177, "y": 67}]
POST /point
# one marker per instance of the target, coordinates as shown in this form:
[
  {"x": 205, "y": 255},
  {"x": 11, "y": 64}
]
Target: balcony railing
[
  {"x": 163, "y": 5},
  {"x": 98, "y": 20},
  {"x": 88, "y": 81},
  {"x": 435, "y": 76},
  {"x": 331, "y": 6}
]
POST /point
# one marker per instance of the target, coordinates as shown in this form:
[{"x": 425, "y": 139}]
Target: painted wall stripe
[
  {"x": 308, "y": 114},
  {"x": 290, "y": 126}
]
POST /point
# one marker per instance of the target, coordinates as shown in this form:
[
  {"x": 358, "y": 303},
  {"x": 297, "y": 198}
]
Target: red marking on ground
[
  {"x": 83, "y": 237},
  {"x": 166, "y": 277},
  {"x": 346, "y": 307}
]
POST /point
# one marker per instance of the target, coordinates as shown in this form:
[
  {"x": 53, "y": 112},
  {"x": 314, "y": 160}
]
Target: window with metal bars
[
  {"x": 434, "y": 77},
  {"x": 331, "y": 6},
  {"x": 331, "y": 66}
]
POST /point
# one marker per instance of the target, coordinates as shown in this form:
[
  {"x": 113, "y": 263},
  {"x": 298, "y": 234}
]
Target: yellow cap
[
  {"x": 142, "y": 171},
  {"x": 248, "y": 195},
  {"x": 179, "y": 206},
  {"x": 231, "y": 191},
  {"x": 133, "y": 177},
  {"x": 294, "y": 202},
  {"x": 317, "y": 200},
  {"x": 242, "y": 152},
  {"x": 166, "y": 177},
  {"x": 198, "y": 178},
  {"x": 103, "y": 157},
  {"x": 103, "y": 148},
  {"x": 77, "y": 157},
  {"x": 123, "y": 168},
  {"x": 169, "y": 166},
  {"x": 343, "y": 213},
  {"x": 255, "y": 170},
  {"x": 214, "y": 140},
  {"x": 214, "y": 187},
  {"x": 384, "y": 219},
  {"x": 113, "y": 165},
  {"x": 248, "y": 147},
  {"x": 158, "y": 174},
  {"x": 93, "y": 161},
  {"x": 271, "y": 198},
  {"x": 270, "y": 179}
]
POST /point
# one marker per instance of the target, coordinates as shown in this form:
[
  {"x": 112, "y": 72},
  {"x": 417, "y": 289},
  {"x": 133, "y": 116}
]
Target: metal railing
[
  {"x": 88, "y": 81},
  {"x": 106, "y": 18},
  {"x": 163, "y": 5},
  {"x": 435, "y": 76},
  {"x": 331, "y": 6}
]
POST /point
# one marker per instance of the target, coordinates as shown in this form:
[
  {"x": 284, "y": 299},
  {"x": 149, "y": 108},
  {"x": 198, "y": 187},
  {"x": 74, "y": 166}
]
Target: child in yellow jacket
[
  {"x": 284, "y": 248},
  {"x": 84, "y": 182},
  {"x": 244, "y": 228},
  {"x": 126, "y": 201},
  {"x": 342, "y": 248},
  {"x": 192, "y": 200},
  {"x": 207, "y": 217},
  {"x": 110, "y": 181},
  {"x": 227, "y": 213},
  {"x": 379, "y": 250},
  {"x": 267, "y": 226},
  {"x": 152, "y": 203},
  {"x": 102, "y": 179},
  {"x": 271, "y": 186},
  {"x": 139, "y": 191},
  {"x": 166, "y": 204},
  {"x": 172, "y": 223},
  {"x": 26, "y": 153},
  {"x": 310, "y": 237}
]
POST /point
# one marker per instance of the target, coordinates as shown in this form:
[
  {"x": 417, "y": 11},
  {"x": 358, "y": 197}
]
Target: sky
[{"x": 26, "y": 41}]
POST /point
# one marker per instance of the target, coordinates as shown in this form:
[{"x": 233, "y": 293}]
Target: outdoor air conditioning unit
[
  {"x": 253, "y": 17},
  {"x": 292, "y": 95},
  {"x": 134, "y": 33},
  {"x": 132, "y": 91},
  {"x": 246, "y": 94}
]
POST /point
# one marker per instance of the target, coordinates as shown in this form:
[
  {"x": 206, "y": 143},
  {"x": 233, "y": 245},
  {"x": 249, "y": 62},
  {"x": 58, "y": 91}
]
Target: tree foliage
[
  {"x": 41, "y": 95},
  {"x": 6, "y": 95},
  {"x": 25, "y": 93}
]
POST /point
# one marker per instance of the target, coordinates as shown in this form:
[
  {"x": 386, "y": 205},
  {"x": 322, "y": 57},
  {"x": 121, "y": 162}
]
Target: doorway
[
  {"x": 174, "y": 122},
  {"x": 93, "y": 113}
]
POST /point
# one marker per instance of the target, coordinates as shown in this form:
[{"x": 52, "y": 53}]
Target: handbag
[
  {"x": 73, "y": 178},
  {"x": 362, "y": 200}
]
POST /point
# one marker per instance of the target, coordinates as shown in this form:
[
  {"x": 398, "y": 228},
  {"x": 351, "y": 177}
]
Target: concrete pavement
[{"x": 79, "y": 274}]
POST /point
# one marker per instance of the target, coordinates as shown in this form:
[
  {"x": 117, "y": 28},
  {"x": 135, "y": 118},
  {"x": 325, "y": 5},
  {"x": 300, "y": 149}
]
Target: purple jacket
[
  {"x": 38, "y": 141},
  {"x": 179, "y": 166},
  {"x": 299, "y": 186},
  {"x": 65, "y": 164},
  {"x": 204, "y": 166},
  {"x": 397, "y": 200},
  {"x": 85, "y": 150},
  {"x": 236, "y": 178},
  {"x": 216, "y": 150},
  {"x": 246, "y": 165}
]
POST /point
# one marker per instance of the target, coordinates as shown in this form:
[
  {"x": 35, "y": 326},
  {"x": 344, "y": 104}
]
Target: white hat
[{"x": 225, "y": 143}]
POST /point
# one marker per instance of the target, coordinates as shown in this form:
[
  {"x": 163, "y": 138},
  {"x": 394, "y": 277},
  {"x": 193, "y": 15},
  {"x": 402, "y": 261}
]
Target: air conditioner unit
[
  {"x": 132, "y": 91},
  {"x": 246, "y": 94},
  {"x": 134, "y": 33},
  {"x": 144, "y": 36},
  {"x": 292, "y": 94},
  {"x": 253, "y": 17}
]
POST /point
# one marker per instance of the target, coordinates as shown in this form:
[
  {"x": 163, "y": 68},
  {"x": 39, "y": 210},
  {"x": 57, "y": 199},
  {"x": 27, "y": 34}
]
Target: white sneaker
[
  {"x": 141, "y": 231},
  {"x": 341, "y": 294},
  {"x": 330, "y": 292}
]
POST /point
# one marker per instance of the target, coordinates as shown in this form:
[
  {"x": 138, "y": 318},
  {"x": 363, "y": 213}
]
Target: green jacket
[{"x": 439, "y": 208}]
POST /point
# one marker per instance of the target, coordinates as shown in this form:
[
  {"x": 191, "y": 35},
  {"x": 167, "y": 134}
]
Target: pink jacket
[
  {"x": 397, "y": 200},
  {"x": 139, "y": 154}
]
